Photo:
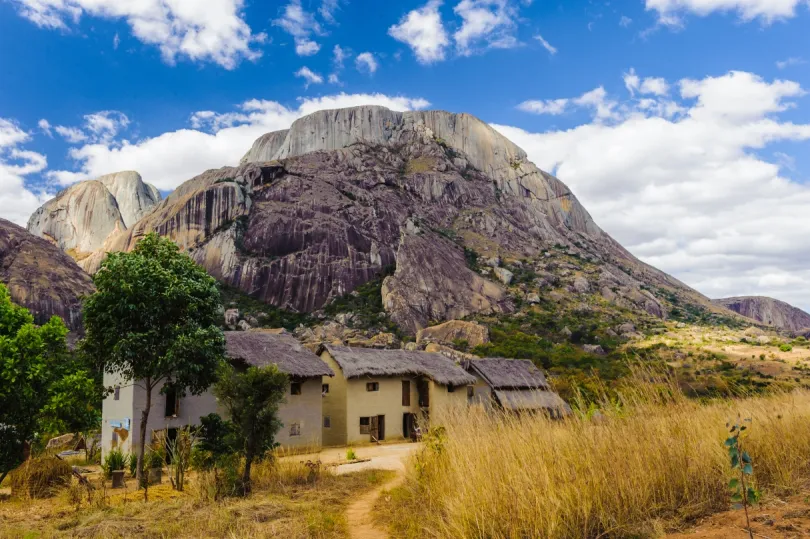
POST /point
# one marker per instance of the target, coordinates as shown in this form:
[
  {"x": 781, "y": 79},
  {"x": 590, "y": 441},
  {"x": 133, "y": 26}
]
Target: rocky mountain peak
[{"x": 768, "y": 311}]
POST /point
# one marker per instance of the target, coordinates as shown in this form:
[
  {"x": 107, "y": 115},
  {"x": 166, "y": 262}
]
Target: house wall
[
  {"x": 387, "y": 401},
  {"x": 117, "y": 415},
  {"x": 443, "y": 402},
  {"x": 482, "y": 393},
  {"x": 334, "y": 404},
  {"x": 306, "y": 410}
]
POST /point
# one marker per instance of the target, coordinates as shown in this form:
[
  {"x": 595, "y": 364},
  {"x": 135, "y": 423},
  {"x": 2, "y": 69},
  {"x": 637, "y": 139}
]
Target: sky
[{"x": 683, "y": 126}]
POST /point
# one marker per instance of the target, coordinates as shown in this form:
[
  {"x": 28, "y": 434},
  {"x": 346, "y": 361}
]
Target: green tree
[
  {"x": 44, "y": 388},
  {"x": 252, "y": 398},
  {"x": 154, "y": 320}
]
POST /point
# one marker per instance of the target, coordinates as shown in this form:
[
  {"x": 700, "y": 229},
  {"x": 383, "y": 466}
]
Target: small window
[
  {"x": 117, "y": 393},
  {"x": 295, "y": 388},
  {"x": 470, "y": 392},
  {"x": 172, "y": 402},
  {"x": 365, "y": 425},
  {"x": 327, "y": 422},
  {"x": 295, "y": 429},
  {"x": 373, "y": 386},
  {"x": 451, "y": 389},
  {"x": 325, "y": 389}
]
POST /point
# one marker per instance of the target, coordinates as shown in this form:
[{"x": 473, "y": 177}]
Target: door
[
  {"x": 381, "y": 427},
  {"x": 374, "y": 428},
  {"x": 408, "y": 425}
]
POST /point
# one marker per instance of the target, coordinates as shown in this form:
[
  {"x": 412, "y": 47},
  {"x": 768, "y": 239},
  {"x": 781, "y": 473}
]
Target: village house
[
  {"x": 514, "y": 385},
  {"x": 383, "y": 394},
  {"x": 300, "y": 413}
]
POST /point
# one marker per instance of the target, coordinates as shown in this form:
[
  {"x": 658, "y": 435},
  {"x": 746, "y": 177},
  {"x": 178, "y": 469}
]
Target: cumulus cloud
[
  {"x": 548, "y": 106},
  {"x": 486, "y": 24},
  {"x": 790, "y": 62},
  {"x": 423, "y": 31},
  {"x": 100, "y": 126},
  {"x": 546, "y": 45},
  {"x": 670, "y": 12},
  {"x": 309, "y": 76},
  {"x": 689, "y": 191},
  {"x": 625, "y": 21},
  {"x": 216, "y": 139},
  {"x": 179, "y": 28},
  {"x": 17, "y": 201},
  {"x": 366, "y": 63},
  {"x": 328, "y": 9},
  {"x": 300, "y": 24}
]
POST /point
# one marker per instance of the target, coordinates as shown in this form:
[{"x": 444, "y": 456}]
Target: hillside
[
  {"x": 41, "y": 277},
  {"x": 769, "y": 311},
  {"x": 455, "y": 208}
]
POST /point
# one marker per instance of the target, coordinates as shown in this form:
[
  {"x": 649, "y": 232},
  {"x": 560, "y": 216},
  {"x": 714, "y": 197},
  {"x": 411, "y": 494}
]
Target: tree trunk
[
  {"x": 3, "y": 477},
  {"x": 143, "y": 479},
  {"x": 246, "y": 474}
]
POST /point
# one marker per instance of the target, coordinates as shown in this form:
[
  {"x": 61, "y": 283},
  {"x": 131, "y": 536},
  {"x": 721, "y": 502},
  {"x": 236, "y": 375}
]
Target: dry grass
[
  {"x": 289, "y": 500},
  {"x": 653, "y": 463}
]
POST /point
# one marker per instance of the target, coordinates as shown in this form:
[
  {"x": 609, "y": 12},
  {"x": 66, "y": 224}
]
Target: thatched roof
[
  {"x": 502, "y": 373},
  {"x": 260, "y": 348},
  {"x": 358, "y": 362},
  {"x": 532, "y": 399}
]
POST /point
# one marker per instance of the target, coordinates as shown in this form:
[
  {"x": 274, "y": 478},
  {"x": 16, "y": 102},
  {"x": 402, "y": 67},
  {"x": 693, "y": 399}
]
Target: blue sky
[{"x": 682, "y": 125}]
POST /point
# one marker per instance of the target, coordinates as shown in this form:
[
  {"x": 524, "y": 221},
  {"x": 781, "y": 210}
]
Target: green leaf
[
  {"x": 753, "y": 495},
  {"x": 735, "y": 462},
  {"x": 729, "y": 442},
  {"x": 745, "y": 458},
  {"x": 734, "y": 483},
  {"x": 736, "y": 497},
  {"x": 748, "y": 469}
]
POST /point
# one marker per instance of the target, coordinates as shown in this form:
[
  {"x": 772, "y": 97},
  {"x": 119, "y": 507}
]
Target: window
[
  {"x": 325, "y": 389},
  {"x": 373, "y": 386},
  {"x": 295, "y": 388},
  {"x": 117, "y": 393},
  {"x": 365, "y": 425},
  {"x": 295, "y": 429},
  {"x": 327, "y": 422},
  {"x": 172, "y": 402},
  {"x": 451, "y": 389},
  {"x": 406, "y": 393}
]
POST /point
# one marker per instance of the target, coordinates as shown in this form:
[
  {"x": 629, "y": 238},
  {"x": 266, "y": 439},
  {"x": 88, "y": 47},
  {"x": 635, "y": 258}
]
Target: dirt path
[{"x": 359, "y": 514}]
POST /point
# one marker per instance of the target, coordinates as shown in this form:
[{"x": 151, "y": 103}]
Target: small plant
[
  {"x": 154, "y": 458},
  {"x": 179, "y": 451},
  {"x": 785, "y": 347},
  {"x": 350, "y": 454},
  {"x": 114, "y": 461},
  {"x": 742, "y": 488},
  {"x": 133, "y": 465},
  {"x": 762, "y": 357}
]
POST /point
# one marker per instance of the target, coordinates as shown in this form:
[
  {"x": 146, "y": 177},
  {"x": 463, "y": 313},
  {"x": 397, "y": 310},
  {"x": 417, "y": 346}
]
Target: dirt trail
[{"x": 359, "y": 514}]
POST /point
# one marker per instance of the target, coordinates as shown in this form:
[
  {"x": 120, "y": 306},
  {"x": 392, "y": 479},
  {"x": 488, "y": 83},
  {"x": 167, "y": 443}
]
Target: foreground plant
[{"x": 743, "y": 491}]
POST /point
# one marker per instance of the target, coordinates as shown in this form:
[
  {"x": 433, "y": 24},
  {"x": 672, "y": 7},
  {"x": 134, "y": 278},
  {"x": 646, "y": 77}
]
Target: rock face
[
  {"x": 41, "y": 277},
  {"x": 315, "y": 211},
  {"x": 768, "y": 311},
  {"x": 454, "y": 330},
  {"x": 81, "y": 218}
]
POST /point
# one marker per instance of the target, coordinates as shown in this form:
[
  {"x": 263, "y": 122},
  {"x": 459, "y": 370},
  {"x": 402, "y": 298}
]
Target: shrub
[
  {"x": 133, "y": 465},
  {"x": 350, "y": 454},
  {"x": 114, "y": 461},
  {"x": 40, "y": 478},
  {"x": 785, "y": 347}
]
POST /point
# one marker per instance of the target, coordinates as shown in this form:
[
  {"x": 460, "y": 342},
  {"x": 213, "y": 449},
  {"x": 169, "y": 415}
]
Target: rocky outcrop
[
  {"x": 472, "y": 333},
  {"x": 265, "y": 147},
  {"x": 84, "y": 216},
  {"x": 41, "y": 277},
  {"x": 768, "y": 311}
]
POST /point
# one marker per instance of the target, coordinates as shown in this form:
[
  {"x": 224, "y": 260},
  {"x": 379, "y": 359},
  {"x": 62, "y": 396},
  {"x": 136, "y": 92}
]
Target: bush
[
  {"x": 350, "y": 454},
  {"x": 785, "y": 347},
  {"x": 114, "y": 461},
  {"x": 133, "y": 465},
  {"x": 40, "y": 478}
]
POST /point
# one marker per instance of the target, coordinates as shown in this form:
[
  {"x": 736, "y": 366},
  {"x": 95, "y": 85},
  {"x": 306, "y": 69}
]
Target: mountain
[
  {"x": 41, "y": 277},
  {"x": 468, "y": 224},
  {"x": 80, "y": 218},
  {"x": 768, "y": 311}
]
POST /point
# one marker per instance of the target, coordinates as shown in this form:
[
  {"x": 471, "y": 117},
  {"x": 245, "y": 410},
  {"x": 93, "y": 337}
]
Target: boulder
[
  {"x": 232, "y": 317},
  {"x": 455, "y": 330},
  {"x": 243, "y": 325},
  {"x": 594, "y": 349},
  {"x": 533, "y": 298},
  {"x": 581, "y": 285},
  {"x": 627, "y": 327},
  {"x": 504, "y": 275}
]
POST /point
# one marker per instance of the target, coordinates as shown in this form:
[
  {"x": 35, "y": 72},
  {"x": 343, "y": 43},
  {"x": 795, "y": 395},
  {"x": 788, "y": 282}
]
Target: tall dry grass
[{"x": 649, "y": 463}]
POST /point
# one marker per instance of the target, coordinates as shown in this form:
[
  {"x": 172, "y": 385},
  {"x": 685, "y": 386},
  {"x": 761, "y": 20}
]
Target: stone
[
  {"x": 411, "y": 346},
  {"x": 594, "y": 349},
  {"x": 232, "y": 317},
  {"x": 493, "y": 262},
  {"x": 581, "y": 285},
  {"x": 763, "y": 339},
  {"x": 504, "y": 275},
  {"x": 565, "y": 332},
  {"x": 253, "y": 320},
  {"x": 608, "y": 294},
  {"x": 533, "y": 298},
  {"x": 555, "y": 296},
  {"x": 243, "y": 325},
  {"x": 626, "y": 328},
  {"x": 473, "y": 333}
]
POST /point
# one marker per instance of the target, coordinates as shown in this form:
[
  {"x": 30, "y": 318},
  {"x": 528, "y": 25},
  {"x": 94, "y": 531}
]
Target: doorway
[
  {"x": 408, "y": 425},
  {"x": 377, "y": 429}
]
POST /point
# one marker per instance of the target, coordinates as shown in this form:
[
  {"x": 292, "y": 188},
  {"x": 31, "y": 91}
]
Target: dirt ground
[{"x": 774, "y": 520}]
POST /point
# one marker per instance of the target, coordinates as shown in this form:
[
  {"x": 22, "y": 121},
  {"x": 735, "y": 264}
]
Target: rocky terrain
[
  {"x": 465, "y": 223},
  {"x": 41, "y": 277},
  {"x": 769, "y": 311}
]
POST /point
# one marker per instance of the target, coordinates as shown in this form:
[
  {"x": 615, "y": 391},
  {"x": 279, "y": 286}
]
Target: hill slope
[{"x": 768, "y": 311}]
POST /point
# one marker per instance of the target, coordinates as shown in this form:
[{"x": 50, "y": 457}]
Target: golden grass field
[{"x": 649, "y": 464}]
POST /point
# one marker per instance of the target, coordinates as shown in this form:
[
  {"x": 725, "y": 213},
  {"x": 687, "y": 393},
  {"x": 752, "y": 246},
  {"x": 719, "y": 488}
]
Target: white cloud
[
  {"x": 116, "y": 41},
  {"x": 217, "y": 139},
  {"x": 550, "y": 106},
  {"x": 17, "y": 201},
  {"x": 655, "y": 86},
  {"x": 790, "y": 62},
  {"x": 625, "y": 21},
  {"x": 100, "y": 126},
  {"x": 334, "y": 79},
  {"x": 310, "y": 76},
  {"x": 423, "y": 31},
  {"x": 689, "y": 191},
  {"x": 179, "y": 28},
  {"x": 366, "y": 63},
  {"x": 486, "y": 24},
  {"x": 548, "y": 46},
  {"x": 300, "y": 24},
  {"x": 670, "y": 11},
  {"x": 328, "y": 9},
  {"x": 71, "y": 134},
  {"x": 339, "y": 56},
  {"x": 45, "y": 126}
]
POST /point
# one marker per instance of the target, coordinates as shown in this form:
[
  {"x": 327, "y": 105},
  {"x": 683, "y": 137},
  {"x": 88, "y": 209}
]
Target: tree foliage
[
  {"x": 154, "y": 320},
  {"x": 252, "y": 398},
  {"x": 44, "y": 388}
]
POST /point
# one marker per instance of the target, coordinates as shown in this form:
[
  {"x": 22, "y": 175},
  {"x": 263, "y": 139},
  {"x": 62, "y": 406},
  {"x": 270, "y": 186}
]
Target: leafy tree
[
  {"x": 216, "y": 451},
  {"x": 252, "y": 398},
  {"x": 44, "y": 389},
  {"x": 154, "y": 320}
]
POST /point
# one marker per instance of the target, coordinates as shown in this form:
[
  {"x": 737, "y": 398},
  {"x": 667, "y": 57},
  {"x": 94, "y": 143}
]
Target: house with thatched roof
[
  {"x": 384, "y": 394},
  {"x": 301, "y": 412},
  {"x": 515, "y": 385}
]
